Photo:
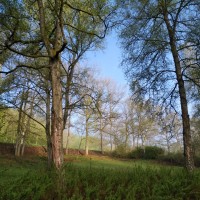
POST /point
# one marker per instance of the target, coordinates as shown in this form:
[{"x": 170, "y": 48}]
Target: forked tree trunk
[
  {"x": 57, "y": 114},
  {"x": 21, "y": 129},
  {"x": 187, "y": 141}
]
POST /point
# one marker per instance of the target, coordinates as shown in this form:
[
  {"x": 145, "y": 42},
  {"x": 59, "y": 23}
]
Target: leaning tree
[{"x": 155, "y": 35}]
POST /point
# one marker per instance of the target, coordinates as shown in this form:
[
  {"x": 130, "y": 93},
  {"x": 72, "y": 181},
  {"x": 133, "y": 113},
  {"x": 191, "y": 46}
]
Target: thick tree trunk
[
  {"x": 57, "y": 114},
  {"x": 187, "y": 142}
]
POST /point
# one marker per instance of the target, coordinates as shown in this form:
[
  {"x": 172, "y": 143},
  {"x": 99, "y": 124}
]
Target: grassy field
[{"x": 95, "y": 178}]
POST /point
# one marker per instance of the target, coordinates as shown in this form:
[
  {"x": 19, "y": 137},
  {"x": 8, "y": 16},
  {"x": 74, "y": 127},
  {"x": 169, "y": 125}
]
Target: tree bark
[
  {"x": 57, "y": 114},
  {"x": 187, "y": 142},
  {"x": 53, "y": 50}
]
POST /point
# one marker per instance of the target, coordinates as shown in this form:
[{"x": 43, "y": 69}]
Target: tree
[
  {"x": 154, "y": 36},
  {"x": 169, "y": 127},
  {"x": 42, "y": 29},
  {"x": 113, "y": 98},
  {"x": 88, "y": 95}
]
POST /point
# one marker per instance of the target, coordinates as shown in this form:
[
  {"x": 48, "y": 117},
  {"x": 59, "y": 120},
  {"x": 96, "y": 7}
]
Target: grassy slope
[{"x": 95, "y": 178}]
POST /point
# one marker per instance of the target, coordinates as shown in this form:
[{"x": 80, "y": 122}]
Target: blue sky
[{"x": 108, "y": 60}]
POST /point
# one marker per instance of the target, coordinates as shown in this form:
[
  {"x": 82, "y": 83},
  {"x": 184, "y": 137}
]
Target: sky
[{"x": 108, "y": 60}]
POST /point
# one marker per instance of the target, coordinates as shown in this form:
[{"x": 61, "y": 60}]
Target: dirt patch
[{"x": 9, "y": 149}]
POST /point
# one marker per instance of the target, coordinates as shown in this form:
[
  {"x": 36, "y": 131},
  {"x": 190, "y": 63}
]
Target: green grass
[
  {"x": 110, "y": 163},
  {"x": 95, "y": 178}
]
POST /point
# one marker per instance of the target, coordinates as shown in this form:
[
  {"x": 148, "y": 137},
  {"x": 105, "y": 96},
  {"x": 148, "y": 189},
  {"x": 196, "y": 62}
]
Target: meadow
[{"x": 95, "y": 178}]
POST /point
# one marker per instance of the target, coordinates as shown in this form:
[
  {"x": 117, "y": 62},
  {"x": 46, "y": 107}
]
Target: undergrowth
[{"x": 87, "y": 182}]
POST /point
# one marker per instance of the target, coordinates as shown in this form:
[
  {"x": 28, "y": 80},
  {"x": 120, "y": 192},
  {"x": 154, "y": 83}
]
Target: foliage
[
  {"x": 148, "y": 152},
  {"x": 31, "y": 180},
  {"x": 172, "y": 158},
  {"x": 77, "y": 141},
  {"x": 8, "y": 129},
  {"x": 177, "y": 159},
  {"x": 120, "y": 151}
]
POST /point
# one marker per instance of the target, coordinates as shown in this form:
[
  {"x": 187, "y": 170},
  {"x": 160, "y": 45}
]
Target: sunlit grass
[{"x": 111, "y": 163}]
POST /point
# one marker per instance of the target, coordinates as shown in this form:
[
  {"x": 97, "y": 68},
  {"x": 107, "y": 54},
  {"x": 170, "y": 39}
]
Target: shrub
[
  {"x": 152, "y": 152},
  {"x": 197, "y": 161},
  {"x": 177, "y": 159},
  {"x": 137, "y": 153},
  {"x": 173, "y": 158},
  {"x": 120, "y": 151},
  {"x": 149, "y": 152}
]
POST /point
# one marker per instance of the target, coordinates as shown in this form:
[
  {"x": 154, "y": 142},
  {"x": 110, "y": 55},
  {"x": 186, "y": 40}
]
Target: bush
[
  {"x": 177, "y": 159},
  {"x": 120, "y": 151},
  {"x": 152, "y": 152},
  {"x": 173, "y": 158},
  {"x": 149, "y": 152},
  {"x": 137, "y": 153},
  {"x": 197, "y": 161}
]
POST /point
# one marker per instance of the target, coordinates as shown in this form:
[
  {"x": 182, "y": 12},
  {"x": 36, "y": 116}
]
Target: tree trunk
[
  {"x": 126, "y": 138},
  {"x": 133, "y": 141},
  {"x": 17, "y": 145},
  {"x": 27, "y": 126},
  {"x": 57, "y": 114},
  {"x": 187, "y": 142},
  {"x": 68, "y": 135},
  {"x": 86, "y": 137},
  {"x": 101, "y": 135},
  {"x": 21, "y": 125},
  {"x": 48, "y": 128},
  {"x": 111, "y": 143},
  {"x": 168, "y": 145}
]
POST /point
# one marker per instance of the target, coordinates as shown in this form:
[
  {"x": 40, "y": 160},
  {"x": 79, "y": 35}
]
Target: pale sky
[{"x": 108, "y": 60}]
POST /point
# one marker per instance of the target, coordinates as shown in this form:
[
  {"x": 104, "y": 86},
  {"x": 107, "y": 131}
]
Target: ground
[{"x": 94, "y": 178}]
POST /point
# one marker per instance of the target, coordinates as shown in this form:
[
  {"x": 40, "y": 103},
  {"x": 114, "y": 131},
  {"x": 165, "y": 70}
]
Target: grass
[
  {"x": 110, "y": 163},
  {"x": 95, "y": 178}
]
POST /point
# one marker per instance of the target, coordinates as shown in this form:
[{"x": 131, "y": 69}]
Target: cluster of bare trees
[{"x": 123, "y": 122}]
